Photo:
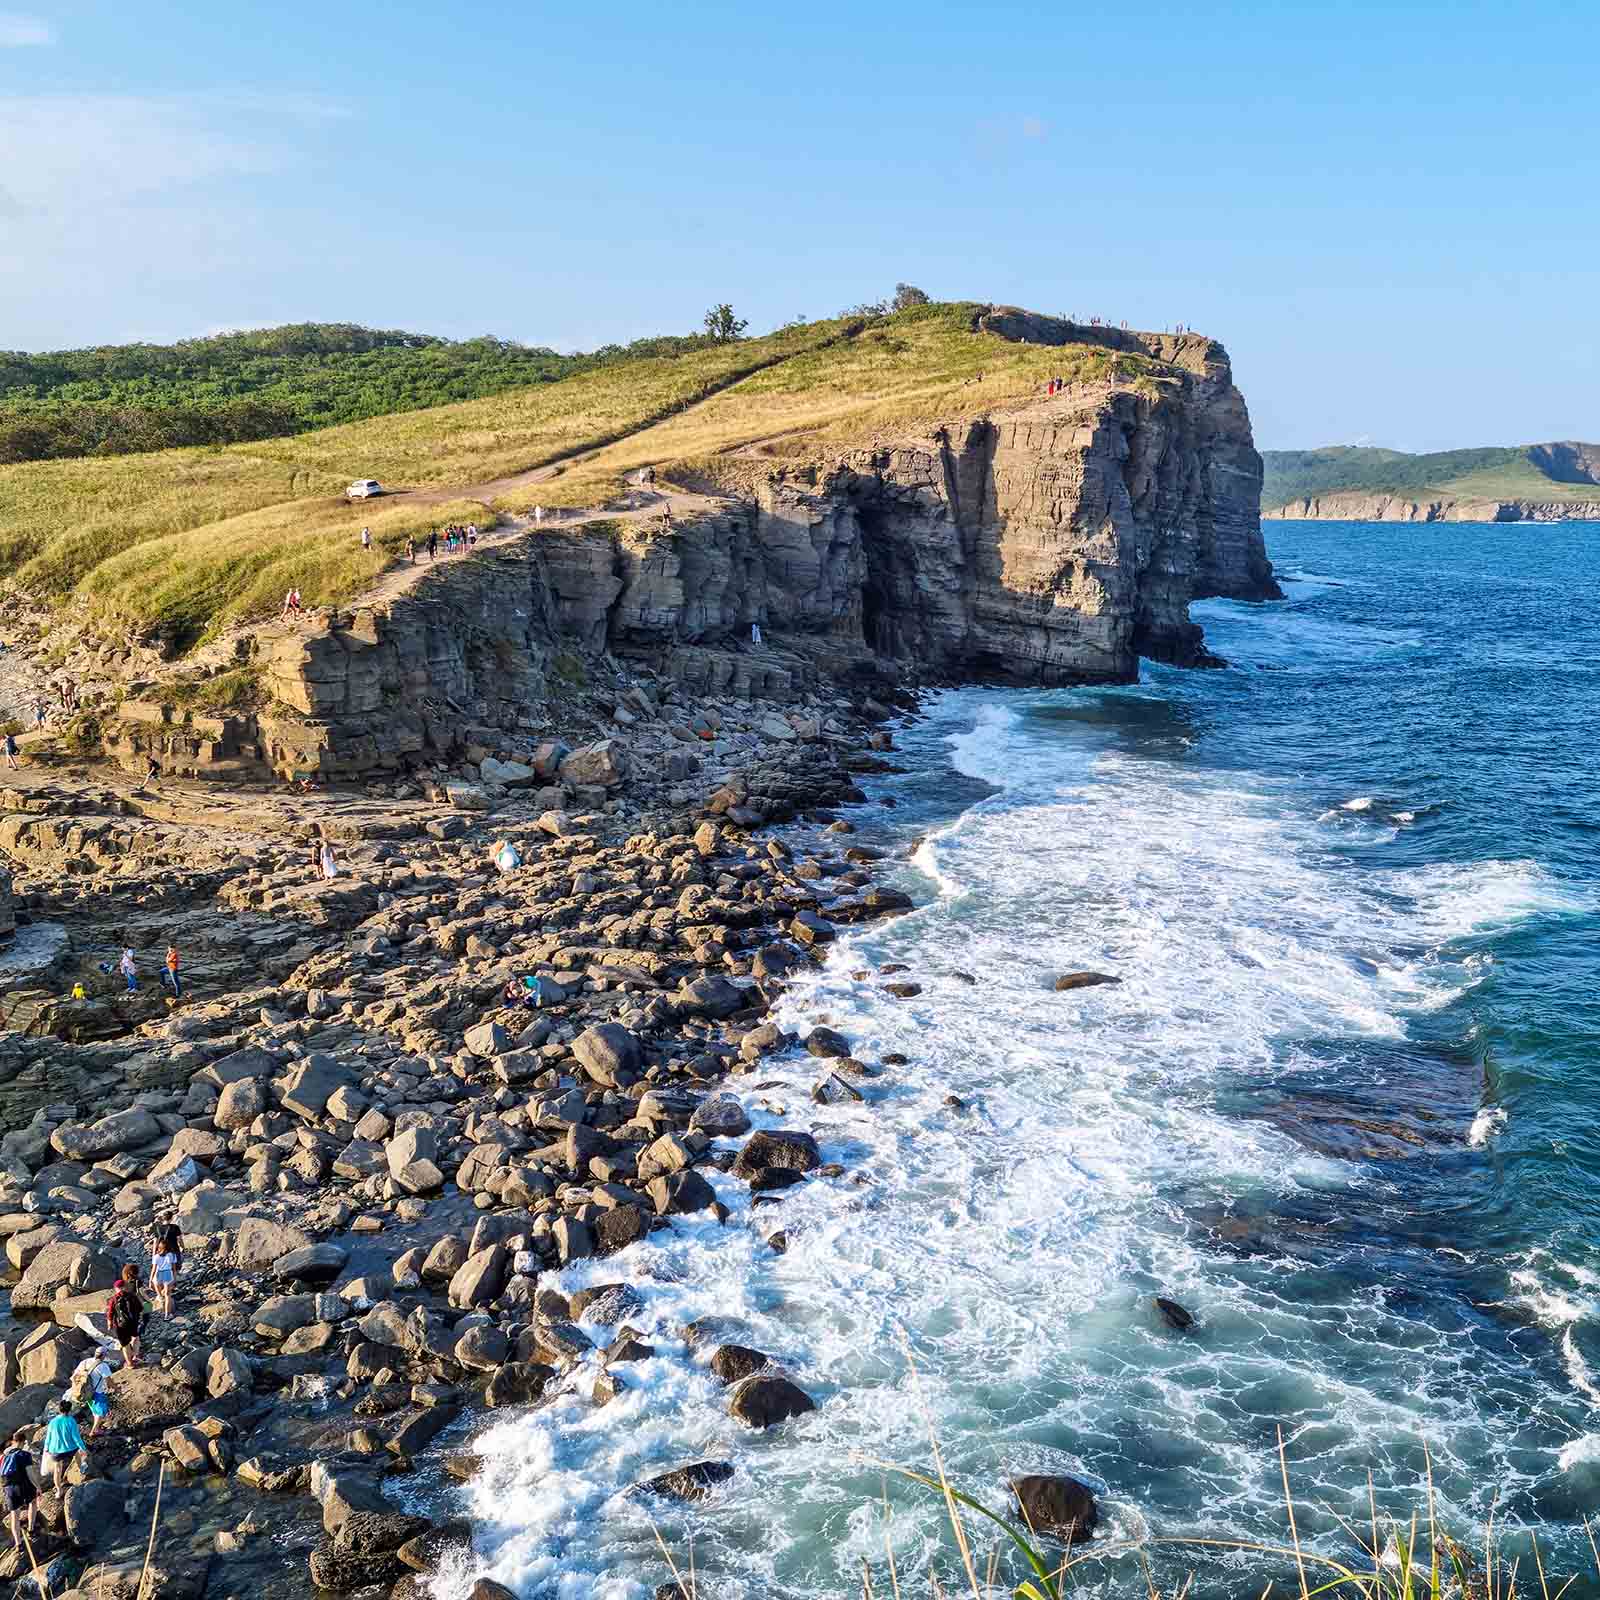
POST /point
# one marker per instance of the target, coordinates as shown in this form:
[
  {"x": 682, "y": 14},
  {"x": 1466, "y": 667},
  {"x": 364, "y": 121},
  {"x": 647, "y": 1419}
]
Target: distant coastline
[{"x": 1404, "y": 508}]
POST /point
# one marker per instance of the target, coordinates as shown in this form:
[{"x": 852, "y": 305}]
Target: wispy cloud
[{"x": 17, "y": 30}]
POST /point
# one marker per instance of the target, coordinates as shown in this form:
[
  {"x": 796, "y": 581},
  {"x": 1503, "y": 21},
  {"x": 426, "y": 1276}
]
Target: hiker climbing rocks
[
  {"x": 129, "y": 969},
  {"x": 125, "y": 1315},
  {"x": 152, "y": 772},
  {"x": 62, "y": 1442},
  {"x": 20, "y": 1486},
  {"x": 91, "y": 1386},
  {"x": 164, "y": 1269},
  {"x": 169, "y": 973}
]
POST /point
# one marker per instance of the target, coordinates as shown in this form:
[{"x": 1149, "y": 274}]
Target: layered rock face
[
  {"x": 1057, "y": 542},
  {"x": 1399, "y": 508}
]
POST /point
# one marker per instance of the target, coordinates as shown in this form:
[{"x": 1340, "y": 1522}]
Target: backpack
[
  {"x": 81, "y": 1392},
  {"x": 122, "y": 1312},
  {"x": 14, "y": 1465}
]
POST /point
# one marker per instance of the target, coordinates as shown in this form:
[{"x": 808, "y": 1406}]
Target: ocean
[{"x": 1342, "y": 1106}]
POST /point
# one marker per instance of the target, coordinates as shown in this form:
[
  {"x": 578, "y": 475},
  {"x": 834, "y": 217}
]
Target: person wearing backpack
[
  {"x": 91, "y": 1387},
  {"x": 125, "y": 1314},
  {"x": 19, "y": 1484}
]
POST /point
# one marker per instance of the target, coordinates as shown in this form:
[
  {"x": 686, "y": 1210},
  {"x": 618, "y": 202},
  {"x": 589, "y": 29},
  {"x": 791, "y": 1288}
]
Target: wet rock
[
  {"x": 720, "y": 1116},
  {"x": 607, "y": 1303},
  {"x": 783, "y": 1149},
  {"x": 428, "y": 1551},
  {"x": 680, "y": 1193},
  {"x": 482, "y": 1348},
  {"x": 1175, "y": 1315},
  {"x": 1056, "y": 1505},
  {"x": 733, "y": 1363},
  {"x": 693, "y": 1482},
  {"x": 518, "y": 1383},
  {"x": 488, "y": 1589},
  {"x": 827, "y": 1043},
  {"x": 766, "y": 1400},
  {"x": 1083, "y": 980}
]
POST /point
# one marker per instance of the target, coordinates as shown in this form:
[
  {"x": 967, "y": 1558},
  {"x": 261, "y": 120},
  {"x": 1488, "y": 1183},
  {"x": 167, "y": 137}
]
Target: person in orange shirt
[{"x": 170, "y": 975}]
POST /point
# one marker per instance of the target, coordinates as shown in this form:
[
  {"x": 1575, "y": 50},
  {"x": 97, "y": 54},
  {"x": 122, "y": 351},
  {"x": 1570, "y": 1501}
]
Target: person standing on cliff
[
  {"x": 169, "y": 972},
  {"x": 129, "y": 969}
]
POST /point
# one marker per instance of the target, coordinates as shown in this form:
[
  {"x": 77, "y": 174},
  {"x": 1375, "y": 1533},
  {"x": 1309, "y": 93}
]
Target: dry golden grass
[{"x": 181, "y": 542}]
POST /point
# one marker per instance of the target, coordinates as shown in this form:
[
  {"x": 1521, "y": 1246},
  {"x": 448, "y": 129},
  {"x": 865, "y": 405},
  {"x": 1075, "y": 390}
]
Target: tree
[
  {"x": 722, "y": 325},
  {"x": 907, "y": 294}
]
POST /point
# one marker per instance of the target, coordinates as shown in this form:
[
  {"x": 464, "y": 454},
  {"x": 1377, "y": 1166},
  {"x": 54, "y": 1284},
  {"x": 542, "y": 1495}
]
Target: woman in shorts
[{"x": 18, "y": 1485}]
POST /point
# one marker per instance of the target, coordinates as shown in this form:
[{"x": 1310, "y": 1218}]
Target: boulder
[
  {"x": 783, "y": 1149},
  {"x": 1083, "y": 980},
  {"x": 609, "y": 1054},
  {"x": 693, "y": 1482},
  {"x": 766, "y": 1399},
  {"x": 482, "y": 1348},
  {"x": 62, "y": 1266},
  {"x": 93, "y": 1513},
  {"x": 312, "y": 1083},
  {"x": 827, "y": 1043},
  {"x": 1051, "y": 1504},
  {"x": 508, "y": 774},
  {"x": 240, "y": 1103},
  {"x": 710, "y": 996},
  {"x": 259, "y": 1243},
  {"x": 413, "y": 1160},
  {"x": 720, "y": 1116},
  {"x": 479, "y": 1279},
  {"x": 317, "y": 1264},
  {"x": 488, "y": 1039},
  {"x": 603, "y": 764},
  {"x": 680, "y": 1193},
  {"x": 122, "y": 1130},
  {"x": 228, "y": 1372},
  {"x": 518, "y": 1383},
  {"x": 733, "y": 1363}
]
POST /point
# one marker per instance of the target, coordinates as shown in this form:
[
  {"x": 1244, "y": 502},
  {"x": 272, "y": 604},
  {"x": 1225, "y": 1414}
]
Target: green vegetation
[
  {"x": 1494, "y": 473},
  {"x": 121, "y": 399},
  {"x": 177, "y": 544}
]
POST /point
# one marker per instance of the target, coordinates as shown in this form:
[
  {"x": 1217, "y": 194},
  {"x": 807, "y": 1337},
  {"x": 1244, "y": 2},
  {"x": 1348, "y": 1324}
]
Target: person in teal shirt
[{"x": 62, "y": 1442}]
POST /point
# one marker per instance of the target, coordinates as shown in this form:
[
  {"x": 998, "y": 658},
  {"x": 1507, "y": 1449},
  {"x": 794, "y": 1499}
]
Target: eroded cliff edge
[{"x": 1055, "y": 541}]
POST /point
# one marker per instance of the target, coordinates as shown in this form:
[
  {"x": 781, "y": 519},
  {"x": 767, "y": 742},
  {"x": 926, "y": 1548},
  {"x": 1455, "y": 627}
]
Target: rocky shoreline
[{"x": 379, "y": 1168}]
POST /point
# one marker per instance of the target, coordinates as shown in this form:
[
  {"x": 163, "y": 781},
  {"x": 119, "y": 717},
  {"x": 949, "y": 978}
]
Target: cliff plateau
[{"x": 1054, "y": 540}]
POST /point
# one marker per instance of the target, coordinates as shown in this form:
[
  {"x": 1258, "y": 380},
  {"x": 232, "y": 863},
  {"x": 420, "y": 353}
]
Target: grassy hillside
[
  {"x": 178, "y": 543},
  {"x": 118, "y": 399},
  {"x": 1495, "y": 473}
]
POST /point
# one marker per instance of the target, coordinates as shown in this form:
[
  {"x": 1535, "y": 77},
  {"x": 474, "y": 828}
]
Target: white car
[{"x": 363, "y": 489}]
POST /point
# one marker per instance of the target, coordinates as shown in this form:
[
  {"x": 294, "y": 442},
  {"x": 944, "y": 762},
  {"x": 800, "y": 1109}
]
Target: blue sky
[{"x": 1387, "y": 212}]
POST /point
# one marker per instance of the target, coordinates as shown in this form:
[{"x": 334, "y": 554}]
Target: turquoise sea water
[{"x": 1342, "y": 1106}]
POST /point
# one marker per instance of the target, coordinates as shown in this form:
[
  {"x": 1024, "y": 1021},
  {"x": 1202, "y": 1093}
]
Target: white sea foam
[
  {"x": 1363, "y": 802},
  {"x": 1488, "y": 1122},
  {"x": 1009, "y": 1248}
]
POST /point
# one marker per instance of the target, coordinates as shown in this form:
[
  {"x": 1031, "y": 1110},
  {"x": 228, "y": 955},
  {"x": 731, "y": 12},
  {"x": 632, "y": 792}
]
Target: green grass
[
  {"x": 175, "y": 545},
  {"x": 1496, "y": 473},
  {"x": 117, "y": 399}
]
